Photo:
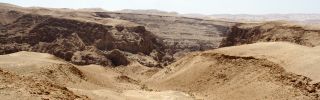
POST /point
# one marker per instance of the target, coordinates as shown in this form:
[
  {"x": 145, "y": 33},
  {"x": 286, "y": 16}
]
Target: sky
[{"x": 185, "y": 6}]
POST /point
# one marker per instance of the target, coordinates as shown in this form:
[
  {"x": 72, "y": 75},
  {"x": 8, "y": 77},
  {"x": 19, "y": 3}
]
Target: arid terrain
[{"x": 92, "y": 54}]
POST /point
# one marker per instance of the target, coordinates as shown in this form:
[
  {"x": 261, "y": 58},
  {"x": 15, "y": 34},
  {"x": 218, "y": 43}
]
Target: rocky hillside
[
  {"x": 271, "y": 31},
  {"x": 111, "y": 38},
  {"x": 179, "y": 34},
  {"x": 90, "y": 37},
  {"x": 77, "y": 40}
]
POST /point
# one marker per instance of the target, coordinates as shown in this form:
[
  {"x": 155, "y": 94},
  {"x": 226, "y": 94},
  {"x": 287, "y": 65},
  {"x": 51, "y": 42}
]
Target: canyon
[{"x": 92, "y": 54}]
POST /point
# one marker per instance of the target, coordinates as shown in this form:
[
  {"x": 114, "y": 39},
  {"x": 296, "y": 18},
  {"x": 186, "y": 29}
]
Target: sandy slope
[
  {"x": 274, "y": 70},
  {"x": 29, "y": 75},
  {"x": 35, "y": 76},
  {"x": 298, "y": 59},
  {"x": 250, "y": 72}
]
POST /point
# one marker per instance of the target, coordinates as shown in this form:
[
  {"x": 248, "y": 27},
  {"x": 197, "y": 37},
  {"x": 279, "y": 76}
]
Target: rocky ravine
[
  {"x": 273, "y": 70},
  {"x": 78, "y": 41},
  {"x": 89, "y": 37},
  {"x": 179, "y": 34}
]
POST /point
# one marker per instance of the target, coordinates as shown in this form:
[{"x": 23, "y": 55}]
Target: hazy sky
[{"x": 186, "y": 6}]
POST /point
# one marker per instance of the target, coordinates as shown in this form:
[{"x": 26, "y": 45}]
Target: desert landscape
[{"x": 94, "y": 54}]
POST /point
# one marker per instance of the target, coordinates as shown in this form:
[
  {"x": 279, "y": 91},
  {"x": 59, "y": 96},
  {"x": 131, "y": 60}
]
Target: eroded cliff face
[
  {"x": 179, "y": 34},
  {"x": 85, "y": 37},
  {"x": 152, "y": 40},
  {"x": 77, "y": 41},
  {"x": 270, "y": 32}
]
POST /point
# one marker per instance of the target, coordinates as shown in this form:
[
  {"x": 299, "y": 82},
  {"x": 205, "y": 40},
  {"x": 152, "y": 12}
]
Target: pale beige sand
[
  {"x": 261, "y": 71},
  {"x": 87, "y": 82},
  {"x": 295, "y": 58}
]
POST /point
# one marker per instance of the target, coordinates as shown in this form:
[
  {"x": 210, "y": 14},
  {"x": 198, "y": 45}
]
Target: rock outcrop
[{"x": 118, "y": 58}]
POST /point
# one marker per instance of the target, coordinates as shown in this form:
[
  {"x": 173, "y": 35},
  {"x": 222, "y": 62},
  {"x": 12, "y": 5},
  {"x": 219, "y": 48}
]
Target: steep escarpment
[
  {"x": 180, "y": 34},
  {"x": 84, "y": 37},
  {"x": 77, "y": 41},
  {"x": 270, "y": 32}
]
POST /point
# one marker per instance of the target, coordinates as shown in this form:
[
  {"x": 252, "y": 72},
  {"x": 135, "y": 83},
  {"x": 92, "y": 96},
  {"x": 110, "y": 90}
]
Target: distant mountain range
[
  {"x": 149, "y": 11},
  {"x": 305, "y": 18},
  {"x": 301, "y": 18},
  {"x": 309, "y": 18}
]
